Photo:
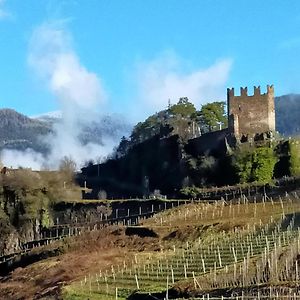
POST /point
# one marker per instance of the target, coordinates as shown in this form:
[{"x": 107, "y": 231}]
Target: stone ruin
[{"x": 251, "y": 116}]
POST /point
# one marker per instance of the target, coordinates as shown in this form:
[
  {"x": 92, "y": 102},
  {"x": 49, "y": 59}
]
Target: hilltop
[
  {"x": 19, "y": 132},
  {"x": 180, "y": 149}
]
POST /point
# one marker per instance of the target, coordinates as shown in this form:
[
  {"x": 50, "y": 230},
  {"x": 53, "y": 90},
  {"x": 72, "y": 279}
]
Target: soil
[{"x": 84, "y": 255}]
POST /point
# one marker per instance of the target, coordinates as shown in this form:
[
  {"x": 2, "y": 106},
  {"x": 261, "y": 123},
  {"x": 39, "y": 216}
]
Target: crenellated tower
[{"x": 250, "y": 115}]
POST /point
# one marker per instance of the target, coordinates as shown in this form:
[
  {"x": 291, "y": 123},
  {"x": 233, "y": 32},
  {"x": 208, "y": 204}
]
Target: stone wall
[
  {"x": 249, "y": 115},
  {"x": 155, "y": 164},
  {"x": 211, "y": 143}
]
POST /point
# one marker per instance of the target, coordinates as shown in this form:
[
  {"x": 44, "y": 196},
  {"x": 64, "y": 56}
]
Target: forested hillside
[
  {"x": 288, "y": 114},
  {"x": 20, "y": 132}
]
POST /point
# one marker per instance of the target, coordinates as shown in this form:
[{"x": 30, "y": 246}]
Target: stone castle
[
  {"x": 251, "y": 115},
  {"x": 251, "y": 119}
]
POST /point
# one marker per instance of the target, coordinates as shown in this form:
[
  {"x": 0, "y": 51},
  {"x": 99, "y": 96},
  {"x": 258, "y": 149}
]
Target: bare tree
[{"x": 67, "y": 168}]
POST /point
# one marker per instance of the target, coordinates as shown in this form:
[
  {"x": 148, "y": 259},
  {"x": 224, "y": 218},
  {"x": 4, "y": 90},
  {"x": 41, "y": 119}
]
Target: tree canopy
[
  {"x": 183, "y": 108},
  {"x": 181, "y": 118},
  {"x": 212, "y": 116}
]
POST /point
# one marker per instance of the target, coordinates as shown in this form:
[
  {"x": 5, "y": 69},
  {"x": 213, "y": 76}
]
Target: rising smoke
[{"x": 80, "y": 95}]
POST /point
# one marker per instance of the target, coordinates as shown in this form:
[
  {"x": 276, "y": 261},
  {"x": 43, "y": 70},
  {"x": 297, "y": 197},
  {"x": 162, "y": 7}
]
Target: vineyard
[
  {"x": 231, "y": 250},
  {"x": 61, "y": 231}
]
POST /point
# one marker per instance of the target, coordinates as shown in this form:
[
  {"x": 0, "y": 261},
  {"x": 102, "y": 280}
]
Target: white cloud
[{"x": 165, "y": 78}]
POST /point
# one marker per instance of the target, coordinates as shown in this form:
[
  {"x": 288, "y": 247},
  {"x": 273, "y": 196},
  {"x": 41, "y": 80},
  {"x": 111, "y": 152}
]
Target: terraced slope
[{"x": 204, "y": 247}]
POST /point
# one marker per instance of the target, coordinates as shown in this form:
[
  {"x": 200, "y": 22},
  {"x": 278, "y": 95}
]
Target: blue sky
[{"x": 132, "y": 56}]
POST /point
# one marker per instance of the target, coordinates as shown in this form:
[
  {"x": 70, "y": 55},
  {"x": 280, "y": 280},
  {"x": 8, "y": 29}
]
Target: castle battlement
[
  {"x": 251, "y": 114},
  {"x": 244, "y": 91}
]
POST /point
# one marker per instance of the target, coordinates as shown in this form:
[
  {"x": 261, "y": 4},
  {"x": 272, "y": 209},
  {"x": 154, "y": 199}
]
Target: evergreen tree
[{"x": 212, "y": 116}]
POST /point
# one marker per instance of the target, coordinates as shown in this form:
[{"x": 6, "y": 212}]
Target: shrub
[
  {"x": 294, "y": 162},
  {"x": 242, "y": 161},
  {"x": 190, "y": 192},
  {"x": 255, "y": 164},
  {"x": 263, "y": 163}
]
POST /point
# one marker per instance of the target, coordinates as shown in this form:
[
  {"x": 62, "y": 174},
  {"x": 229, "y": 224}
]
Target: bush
[
  {"x": 294, "y": 162},
  {"x": 263, "y": 163},
  {"x": 242, "y": 161},
  {"x": 190, "y": 192},
  {"x": 256, "y": 164},
  {"x": 46, "y": 219}
]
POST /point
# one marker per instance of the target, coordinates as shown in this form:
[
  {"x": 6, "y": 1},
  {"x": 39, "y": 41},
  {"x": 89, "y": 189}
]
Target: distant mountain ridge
[
  {"x": 20, "y": 132},
  {"x": 287, "y": 109}
]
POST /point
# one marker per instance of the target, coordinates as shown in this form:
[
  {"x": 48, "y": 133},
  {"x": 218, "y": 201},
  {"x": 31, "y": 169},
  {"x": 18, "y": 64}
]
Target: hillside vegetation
[
  {"x": 185, "y": 120},
  {"x": 26, "y": 202}
]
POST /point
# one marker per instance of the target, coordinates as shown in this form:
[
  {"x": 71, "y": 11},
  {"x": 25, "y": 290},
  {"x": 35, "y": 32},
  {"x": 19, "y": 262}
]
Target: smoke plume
[{"x": 79, "y": 92}]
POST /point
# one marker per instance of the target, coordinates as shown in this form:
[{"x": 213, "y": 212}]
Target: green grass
[{"x": 85, "y": 291}]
